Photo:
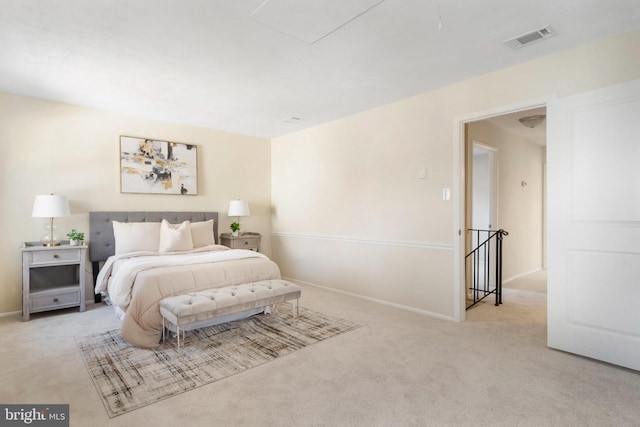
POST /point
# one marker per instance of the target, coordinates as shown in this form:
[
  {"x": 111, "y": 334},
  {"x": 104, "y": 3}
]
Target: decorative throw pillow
[
  {"x": 136, "y": 236},
  {"x": 175, "y": 237},
  {"x": 202, "y": 234}
]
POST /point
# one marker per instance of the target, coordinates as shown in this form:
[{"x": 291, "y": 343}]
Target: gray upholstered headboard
[{"x": 102, "y": 242}]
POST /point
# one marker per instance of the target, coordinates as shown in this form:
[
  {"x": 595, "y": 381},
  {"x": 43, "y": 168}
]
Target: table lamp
[{"x": 50, "y": 206}]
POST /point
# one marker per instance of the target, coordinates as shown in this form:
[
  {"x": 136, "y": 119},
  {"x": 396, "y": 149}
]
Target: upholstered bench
[{"x": 196, "y": 307}]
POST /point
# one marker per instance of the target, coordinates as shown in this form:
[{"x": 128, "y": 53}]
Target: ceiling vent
[{"x": 530, "y": 37}]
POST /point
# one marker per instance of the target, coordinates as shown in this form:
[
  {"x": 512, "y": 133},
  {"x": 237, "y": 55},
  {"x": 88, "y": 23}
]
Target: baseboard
[
  {"x": 376, "y": 300},
  {"x": 518, "y": 276},
  {"x": 11, "y": 313},
  {"x": 19, "y": 312}
]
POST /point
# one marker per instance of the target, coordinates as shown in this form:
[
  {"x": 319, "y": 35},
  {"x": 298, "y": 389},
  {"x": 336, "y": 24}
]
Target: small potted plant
[
  {"x": 234, "y": 229},
  {"x": 75, "y": 237}
]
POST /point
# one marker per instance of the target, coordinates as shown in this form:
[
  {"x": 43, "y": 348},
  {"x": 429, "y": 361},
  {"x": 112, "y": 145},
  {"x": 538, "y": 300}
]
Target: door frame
[{"x": 459, "y": 202}]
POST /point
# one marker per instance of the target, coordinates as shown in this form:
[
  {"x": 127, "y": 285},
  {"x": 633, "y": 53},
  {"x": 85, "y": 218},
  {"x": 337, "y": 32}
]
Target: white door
[{"x": 593, "y": 176}]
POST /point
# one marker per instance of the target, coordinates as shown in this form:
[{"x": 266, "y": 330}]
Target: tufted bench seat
[{"x": 194, "y": 307}]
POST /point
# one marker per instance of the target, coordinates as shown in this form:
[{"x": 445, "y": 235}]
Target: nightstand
[
  {"x": 246, "y": 241},
  {"x": 52, "y": 278}
]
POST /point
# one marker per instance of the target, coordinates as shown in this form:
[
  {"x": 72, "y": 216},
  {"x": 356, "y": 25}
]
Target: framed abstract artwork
[{"x": 158, "y": 167}]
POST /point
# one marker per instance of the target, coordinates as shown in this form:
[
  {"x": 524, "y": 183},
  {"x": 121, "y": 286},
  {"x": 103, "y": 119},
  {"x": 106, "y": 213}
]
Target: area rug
[{"x": 129, "y": 378}]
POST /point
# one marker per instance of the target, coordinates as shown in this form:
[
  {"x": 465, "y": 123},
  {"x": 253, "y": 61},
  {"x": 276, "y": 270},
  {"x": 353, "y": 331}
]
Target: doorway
[
  {"x": 484, "y": 194},
  {"x": 516, "y": 184},
  {"x": 482, "y": 217}
]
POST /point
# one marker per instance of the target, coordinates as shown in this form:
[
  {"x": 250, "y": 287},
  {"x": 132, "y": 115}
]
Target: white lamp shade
[
  {"x": 50, "y": 206},
  {"x": 239, "y": 208}
]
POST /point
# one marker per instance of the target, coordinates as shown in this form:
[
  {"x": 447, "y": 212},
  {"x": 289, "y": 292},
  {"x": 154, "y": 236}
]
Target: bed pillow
[
  {"x": 175, "y": 237},
  {"x": 136, "y": 236},
  {"x": 202, "y": 234}
]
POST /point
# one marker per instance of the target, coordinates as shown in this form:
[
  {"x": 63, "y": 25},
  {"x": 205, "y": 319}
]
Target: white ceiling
[{"x": 247, "y": 66}]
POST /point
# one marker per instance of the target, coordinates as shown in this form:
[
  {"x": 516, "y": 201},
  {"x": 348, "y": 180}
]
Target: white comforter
[
  {"x": 119, "y": 285},
  {"x": 137, "y": 282}
]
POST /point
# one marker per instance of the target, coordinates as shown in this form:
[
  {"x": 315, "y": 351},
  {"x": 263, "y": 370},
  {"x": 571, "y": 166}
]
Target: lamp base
[{"x": 51, "y": 238}]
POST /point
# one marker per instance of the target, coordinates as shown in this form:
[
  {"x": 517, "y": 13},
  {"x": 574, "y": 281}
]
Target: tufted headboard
[{"x": 102, "y": 241}]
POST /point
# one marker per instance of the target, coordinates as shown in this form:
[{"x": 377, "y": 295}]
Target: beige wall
[
  {"x": 346, "y": 206},
  {"x": 520, "y": 208},
  {"x": 349, "y": 210},
  {"x": 49, "y": 147}
]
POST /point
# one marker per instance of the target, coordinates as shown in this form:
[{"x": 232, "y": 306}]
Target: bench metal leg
[
  {"x": 295, "y": 308},
  {"x": 177, "y": 331}
]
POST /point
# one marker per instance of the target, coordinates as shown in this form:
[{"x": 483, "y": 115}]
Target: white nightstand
[
  {"x": 246, "y": 241},
  {"x": 52, "y": 278}
]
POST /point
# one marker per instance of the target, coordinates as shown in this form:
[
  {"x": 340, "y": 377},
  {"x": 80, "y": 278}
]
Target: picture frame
[{"x": 152, "y": 166}]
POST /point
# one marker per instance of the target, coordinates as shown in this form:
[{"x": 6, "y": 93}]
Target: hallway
[{"x": 536, "y": 282}]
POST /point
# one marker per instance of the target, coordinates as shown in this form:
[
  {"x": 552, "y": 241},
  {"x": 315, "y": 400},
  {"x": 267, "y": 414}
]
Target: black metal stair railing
[{"x": 483, "y": 266}]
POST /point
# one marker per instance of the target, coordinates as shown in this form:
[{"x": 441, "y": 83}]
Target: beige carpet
[
  {"x": 129, "y": 378},
  {"x": 536, "y": 282},
  {"x": 398, "y": 369}
]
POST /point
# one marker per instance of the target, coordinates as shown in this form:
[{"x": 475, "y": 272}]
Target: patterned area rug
[{"x": 129, "y": 378}]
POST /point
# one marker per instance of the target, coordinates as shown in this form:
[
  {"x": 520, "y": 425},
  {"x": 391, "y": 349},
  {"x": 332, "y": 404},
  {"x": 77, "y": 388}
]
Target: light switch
[
  {"x": 446, "y": 194},
  {"x": 422, "y": 173}
]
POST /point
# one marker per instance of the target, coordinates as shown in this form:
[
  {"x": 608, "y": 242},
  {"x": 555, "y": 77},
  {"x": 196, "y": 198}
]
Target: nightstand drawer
[
  {"x": 54, "y": 256},
  {"x": 245, "y": 243},
  {"x": 52, "y": 299}
]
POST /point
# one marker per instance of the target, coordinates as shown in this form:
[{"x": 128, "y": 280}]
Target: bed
[{"x": 139, "y": 258}]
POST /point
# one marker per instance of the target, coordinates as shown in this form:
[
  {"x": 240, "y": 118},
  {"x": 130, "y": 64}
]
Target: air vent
[{"x": 530, "y": 37}]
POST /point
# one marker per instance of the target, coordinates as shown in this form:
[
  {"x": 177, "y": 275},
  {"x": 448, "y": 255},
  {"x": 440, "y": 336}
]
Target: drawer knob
[
  {"x": 56, "y": 256},
  {"x": 246, "y": 243},
  {"x": 55, "y": 300}
]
